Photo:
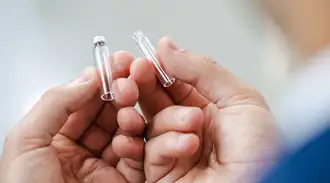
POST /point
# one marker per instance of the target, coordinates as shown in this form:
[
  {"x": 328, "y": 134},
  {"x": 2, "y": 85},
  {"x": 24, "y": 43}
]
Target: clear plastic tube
[
  {"x": 149, "y": 51},
  {"x": 102, "y": 61}
]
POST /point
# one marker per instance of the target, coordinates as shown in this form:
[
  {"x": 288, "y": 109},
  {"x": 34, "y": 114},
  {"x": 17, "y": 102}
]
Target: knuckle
[
  {"x": 253, "y": 97},
  {"x": 56, "y": 98},
  {"x": 243, "y": 96},
  {"x": 53, "y": 95},
  {"x": 260, "y": 98},
  {"x": 11, "y": 137},
  {"x": 209, "y": 61},
  {"x": 254, "y": 93}
]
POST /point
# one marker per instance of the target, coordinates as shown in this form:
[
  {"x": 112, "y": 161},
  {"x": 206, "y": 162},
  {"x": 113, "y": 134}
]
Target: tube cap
[{"x": 98, "y": 39}]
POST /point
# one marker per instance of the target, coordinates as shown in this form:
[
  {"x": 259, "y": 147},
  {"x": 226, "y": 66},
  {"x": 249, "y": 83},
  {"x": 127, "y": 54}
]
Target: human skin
[
  {"x": 207, "y": 127},
  {"x": 72, "y": 136}
]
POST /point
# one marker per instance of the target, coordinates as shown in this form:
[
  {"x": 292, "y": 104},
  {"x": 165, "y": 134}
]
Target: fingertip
[
  {"x": 126, "y": 92},
  {"x": 167, "y": 42},
  {"x": 191, "y": 119},
  {"x": 95, "y": 78},
  {"x": 129, "y": 120},
  {"x": 89, "y": 75},
  {"x": 124, "y": 56},
  {"x": 188, "y": 143},
  {"x": 164, "y": 41},
  {"x": 91, "y": 70},
  {"x": 122, "y": 61},
  {"x": 171, "y": 145},
  {"x": 140, "y": 70},
  {"x": 176, "y": 118},
  {"x": 194, "y": 118},
  {"x": 118, "y": 142},
  {"x": 128, "y": 147}
]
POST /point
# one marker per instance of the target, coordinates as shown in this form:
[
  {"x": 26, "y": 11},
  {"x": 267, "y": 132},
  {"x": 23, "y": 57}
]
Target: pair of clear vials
[{"x": 103, "y": 63}]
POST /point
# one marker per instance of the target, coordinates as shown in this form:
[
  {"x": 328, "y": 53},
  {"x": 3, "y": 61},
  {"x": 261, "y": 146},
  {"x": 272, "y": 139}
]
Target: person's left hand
[
  {"x": 208, "y": 127},
  {"x": 72, "y": 136}
]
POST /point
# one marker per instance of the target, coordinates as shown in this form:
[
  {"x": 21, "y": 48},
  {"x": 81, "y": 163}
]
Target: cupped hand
[
  {"x": 72, "y": 136},
  {"x": 207, "y": 127}
]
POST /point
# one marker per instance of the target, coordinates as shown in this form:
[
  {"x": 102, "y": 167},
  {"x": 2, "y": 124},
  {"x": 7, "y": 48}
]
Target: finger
[
  {"x": 108, "y": 154},
  {"x": 95, "y": 139},
  {"x": 176, "y": 118},
  {"x": 128, "y": 147},
  {"x": 133, "y": 175},
  {"x": 126, "y": 94},
  {"x": 184, "y": 94},
  {"x": 48, "y": 116},
  {"x": 215, "y": 83},
  {"x": 106, "y": 123},
  {"x": 121, "y": 63},
  {"x": 78, "y": 122},
  {"x": 130, "y": 121},
  {"x": 152, "y": 97},
  {"x": 162, "y": 151}
]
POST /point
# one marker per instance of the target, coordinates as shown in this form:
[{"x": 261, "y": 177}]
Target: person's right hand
[
  {"x": 72, "y": 136},
  {"x": 208, "y": 127}
]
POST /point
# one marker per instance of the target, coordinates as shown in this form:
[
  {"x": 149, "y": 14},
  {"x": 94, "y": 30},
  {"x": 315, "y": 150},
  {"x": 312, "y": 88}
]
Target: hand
[
  {"x": 71, "y": 136},
  {"x": 207, "y": 127}
]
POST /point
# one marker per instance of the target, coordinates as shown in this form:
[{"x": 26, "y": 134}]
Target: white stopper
[{"x": 98, "y": 39}]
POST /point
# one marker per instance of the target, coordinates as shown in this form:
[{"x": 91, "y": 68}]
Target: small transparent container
[
  {"x": 149, "y": 51},
  {"x": 103, "y": 64}
]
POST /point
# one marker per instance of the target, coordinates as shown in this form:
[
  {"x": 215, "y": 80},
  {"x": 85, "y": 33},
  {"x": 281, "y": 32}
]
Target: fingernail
[
  {"x": 184, "y": 139},
  {"x": 186, "y": 114},
  {"x": 86, "y": 75},
  {"x": 139, "y": 58},
  {"x": 120, "y": 86},
  {"x": 175, "y": 47}
]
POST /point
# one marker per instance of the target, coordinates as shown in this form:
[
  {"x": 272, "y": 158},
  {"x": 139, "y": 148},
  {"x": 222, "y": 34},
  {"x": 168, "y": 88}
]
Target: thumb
[
  {"x": 214, "y": 82},
  {"x": 48, "y": 116}
]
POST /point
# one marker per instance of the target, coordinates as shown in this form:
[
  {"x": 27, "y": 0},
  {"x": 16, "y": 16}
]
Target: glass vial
[
  {"x": 103, "y": 65},
  {"x": 149, "y": 51}
]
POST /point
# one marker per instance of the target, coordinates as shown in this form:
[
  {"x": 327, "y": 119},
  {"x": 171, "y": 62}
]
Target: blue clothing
[{"x": 309, "y": 165}]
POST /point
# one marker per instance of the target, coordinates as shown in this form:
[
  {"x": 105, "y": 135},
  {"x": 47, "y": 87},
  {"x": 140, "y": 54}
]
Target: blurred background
[{"x": 46, "y": 43}]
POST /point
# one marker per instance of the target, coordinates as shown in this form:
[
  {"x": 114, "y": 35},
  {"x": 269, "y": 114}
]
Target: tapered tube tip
[
  {"x": 98, "y": 39},
  {"x": 137, "y": 35}
]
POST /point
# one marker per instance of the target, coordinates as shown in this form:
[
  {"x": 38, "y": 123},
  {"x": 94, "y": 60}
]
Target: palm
[
  {"x": 92, "y": 152},
  {"x": 231, "y": 136},
  {"x": 65, "y": 161},
  {"x": 227, "y": 133},
  {"x": 93, "y": 145},
  {"x": 77, "y": 164}
]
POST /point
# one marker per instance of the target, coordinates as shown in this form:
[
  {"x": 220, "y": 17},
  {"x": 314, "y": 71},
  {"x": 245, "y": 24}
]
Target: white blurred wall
[{"x": 44, "y": 43}]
